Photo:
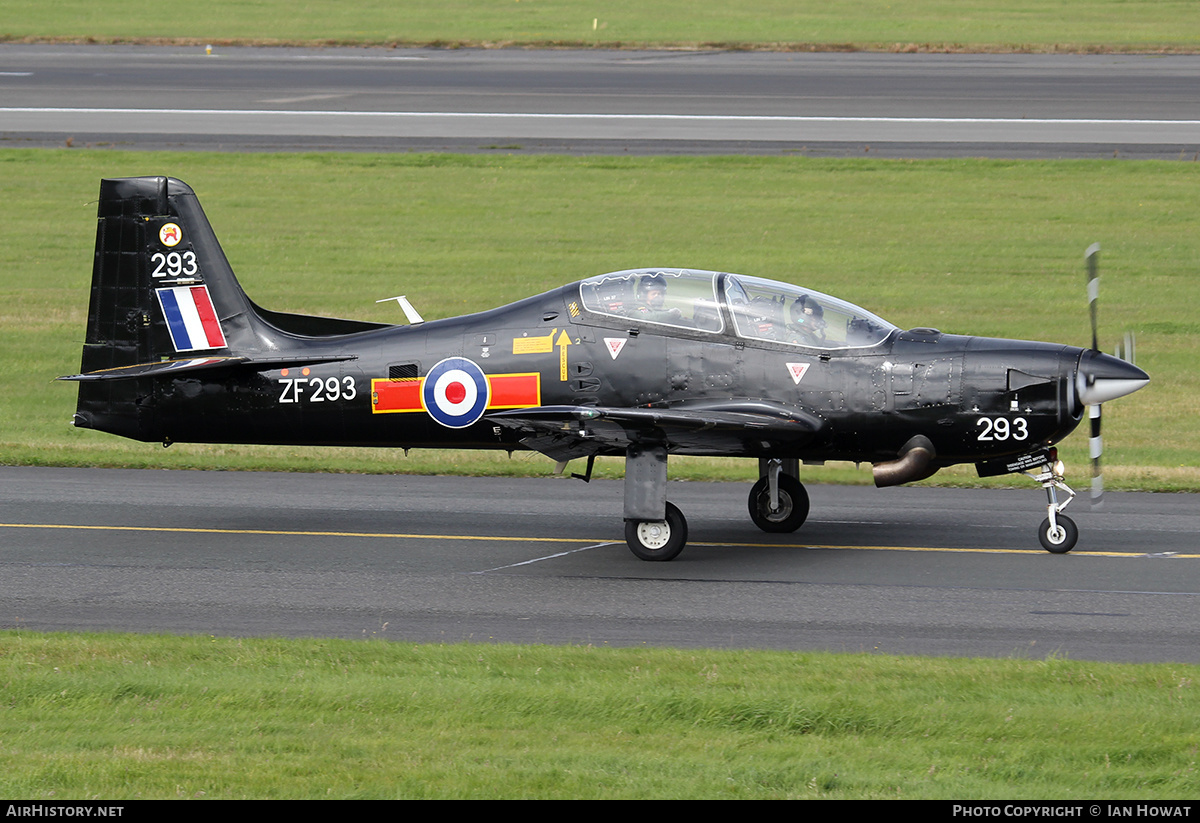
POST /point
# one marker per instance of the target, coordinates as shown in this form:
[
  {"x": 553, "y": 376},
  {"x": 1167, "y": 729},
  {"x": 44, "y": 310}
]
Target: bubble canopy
[{"x": 719, "y": 302}]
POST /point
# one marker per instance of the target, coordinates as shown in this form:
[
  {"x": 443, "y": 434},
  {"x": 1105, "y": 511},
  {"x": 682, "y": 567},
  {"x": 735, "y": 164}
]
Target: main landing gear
[
  {"x": 657, "y": 539},
  {"x": 778, "y": 502},
  {"x": 655, "y": 529},
  {"x": 1058, "y": 533}
]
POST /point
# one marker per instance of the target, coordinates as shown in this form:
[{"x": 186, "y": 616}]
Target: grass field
[
  {"x": 950, "y": 25},
  {"x": 124, "y": 717},
  {"x": 969, "y": 246}
]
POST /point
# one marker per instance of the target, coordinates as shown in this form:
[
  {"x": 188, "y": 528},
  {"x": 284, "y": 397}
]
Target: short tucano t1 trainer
[{"x": 642, "y": 364}]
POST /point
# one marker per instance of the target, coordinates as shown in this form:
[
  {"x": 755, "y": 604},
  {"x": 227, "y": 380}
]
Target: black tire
[
  {"x": 1063, "y": 539},
  {"x": 793, "y": 505},
  {"x": 662, "y": 540}
]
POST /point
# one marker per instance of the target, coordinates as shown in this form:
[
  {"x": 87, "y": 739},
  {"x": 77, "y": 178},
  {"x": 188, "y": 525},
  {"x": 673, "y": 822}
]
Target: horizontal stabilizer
[{"x": 173, "y": 367}]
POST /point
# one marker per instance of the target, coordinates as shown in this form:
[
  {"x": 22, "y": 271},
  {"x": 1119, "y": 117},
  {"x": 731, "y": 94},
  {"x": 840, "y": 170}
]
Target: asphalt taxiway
[{"x": 906, "y": 570}]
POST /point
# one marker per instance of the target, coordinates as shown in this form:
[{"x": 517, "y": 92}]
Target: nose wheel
[
  {"x": 1058, "y": 533},
  {"x": 1058, "y": 536}
]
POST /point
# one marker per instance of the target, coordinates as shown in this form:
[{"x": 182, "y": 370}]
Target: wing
[{"x": 732, "y": 428}]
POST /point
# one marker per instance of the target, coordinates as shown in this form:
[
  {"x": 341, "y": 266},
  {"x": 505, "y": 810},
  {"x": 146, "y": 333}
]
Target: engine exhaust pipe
[{"x": 915, "y": 457}]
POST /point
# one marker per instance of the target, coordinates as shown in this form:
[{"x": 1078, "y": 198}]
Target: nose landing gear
[{"x": 1058, "y": 533}]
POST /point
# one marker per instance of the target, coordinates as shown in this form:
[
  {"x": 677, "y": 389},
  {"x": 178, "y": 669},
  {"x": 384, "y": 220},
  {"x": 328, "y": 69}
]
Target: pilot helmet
[
  {"x": 807, "y": 311},
  {"x": 652, "y": 282}
]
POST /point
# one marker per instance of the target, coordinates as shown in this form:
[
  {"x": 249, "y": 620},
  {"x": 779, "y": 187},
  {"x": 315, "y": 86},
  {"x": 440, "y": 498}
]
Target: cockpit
[{"x": 758, "y": 309}]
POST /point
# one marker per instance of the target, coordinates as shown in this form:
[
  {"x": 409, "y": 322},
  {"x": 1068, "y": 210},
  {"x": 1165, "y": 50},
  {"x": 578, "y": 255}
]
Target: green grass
[
  {"x": 969, "y": 246},
  {"x": 122, "y": 717},
  {"x": 995, "y": 25}
]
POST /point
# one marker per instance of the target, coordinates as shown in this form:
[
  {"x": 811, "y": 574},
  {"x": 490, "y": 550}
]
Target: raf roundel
[{"x": 455, "y": 392}]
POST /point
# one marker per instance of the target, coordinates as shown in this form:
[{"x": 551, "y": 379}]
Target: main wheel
[
  {"x": 793, "y": 505},
  {"x": 1062, "y": 539},
  {"x": 657, "y": 539}
]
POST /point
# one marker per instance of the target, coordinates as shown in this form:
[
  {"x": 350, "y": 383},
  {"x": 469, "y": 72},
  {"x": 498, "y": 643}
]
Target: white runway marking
[
  {"x": 547, "y": 557},
  {"x": 602, "y": 126},
  {"x": 732, "y": 118}
]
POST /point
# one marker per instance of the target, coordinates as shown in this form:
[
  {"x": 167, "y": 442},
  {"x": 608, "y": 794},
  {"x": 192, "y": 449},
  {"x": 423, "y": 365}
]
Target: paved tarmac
[
  {"x": 607, "y": 102},
  {"x": 904, "y": 571}
]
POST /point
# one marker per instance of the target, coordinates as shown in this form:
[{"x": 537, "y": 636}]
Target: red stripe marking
[
  {"x": 397, "y": 395},
  {"x": 515, "y": 391},
  {"x": 509, "y": 391},
  {"x": 208, "y": 317}
]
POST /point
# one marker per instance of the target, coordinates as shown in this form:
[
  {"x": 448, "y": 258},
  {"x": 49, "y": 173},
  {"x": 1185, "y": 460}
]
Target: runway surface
[
  {"x": 908, "y": 105},
  {"x": 903, "y": 571}
]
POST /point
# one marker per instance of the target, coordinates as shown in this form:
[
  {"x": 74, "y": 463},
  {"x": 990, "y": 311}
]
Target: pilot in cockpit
[
  {"x": 807, "y": 321},
  {"x": 652, "y": 296}
]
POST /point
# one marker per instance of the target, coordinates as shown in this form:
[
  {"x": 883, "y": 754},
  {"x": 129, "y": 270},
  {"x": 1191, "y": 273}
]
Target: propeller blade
[
  {"x": 1095, "y": 444},
  {"x": 1127, "y": 350},
  {"x": 1102, "y": 377},
  {"x": 1092, "y": 256},
  {"x": 1096, "y": 448}
]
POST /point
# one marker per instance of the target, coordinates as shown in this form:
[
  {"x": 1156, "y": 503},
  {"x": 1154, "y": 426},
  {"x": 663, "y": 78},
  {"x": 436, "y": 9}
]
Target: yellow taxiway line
[{"x": 497, "y": 539}]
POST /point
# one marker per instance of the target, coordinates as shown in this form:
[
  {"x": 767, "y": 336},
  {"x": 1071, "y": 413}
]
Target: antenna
[{"x": 414, "y": 318}]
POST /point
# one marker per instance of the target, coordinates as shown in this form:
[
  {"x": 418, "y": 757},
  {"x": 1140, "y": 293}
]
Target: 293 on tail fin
[{"x": 161, "y": 285}]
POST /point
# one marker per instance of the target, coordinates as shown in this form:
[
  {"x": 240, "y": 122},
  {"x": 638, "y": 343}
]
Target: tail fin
[
  {"x": 161, "y": 286},
  {"x": 165, "y": 300}
]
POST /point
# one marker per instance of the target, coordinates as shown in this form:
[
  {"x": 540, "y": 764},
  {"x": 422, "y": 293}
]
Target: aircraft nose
[{"x": 1102, "y": 377}]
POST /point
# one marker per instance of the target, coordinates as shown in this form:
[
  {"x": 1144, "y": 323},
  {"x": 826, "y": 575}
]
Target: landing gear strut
[
  {"x": 654, "y": 528},
  {"x": 1058, "y": 533}
]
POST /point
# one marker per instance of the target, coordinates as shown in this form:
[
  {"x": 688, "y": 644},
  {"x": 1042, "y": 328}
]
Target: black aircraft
[{"x": 642, "y": 364}]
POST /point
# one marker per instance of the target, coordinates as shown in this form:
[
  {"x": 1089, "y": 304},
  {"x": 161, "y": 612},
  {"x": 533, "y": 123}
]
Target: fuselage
[{"x": 974, "y": 398}]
